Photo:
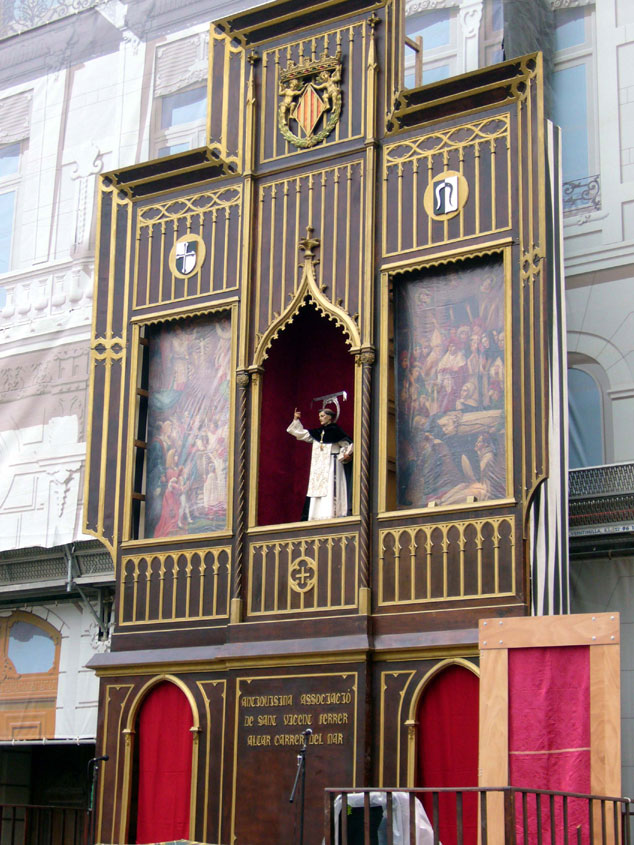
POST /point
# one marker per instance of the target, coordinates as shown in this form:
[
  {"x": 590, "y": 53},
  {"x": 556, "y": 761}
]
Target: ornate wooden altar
[{"x": 337, "y": 233}]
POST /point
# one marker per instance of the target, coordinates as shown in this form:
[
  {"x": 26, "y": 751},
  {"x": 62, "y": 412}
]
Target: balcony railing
[
  {"x": 28, "y": 824},
  {"x": 601, "y": 499},
  {"x": 20, "y": 15},
  {"x": 582, "y": 194},
  {"x": 474, "y": 816}
]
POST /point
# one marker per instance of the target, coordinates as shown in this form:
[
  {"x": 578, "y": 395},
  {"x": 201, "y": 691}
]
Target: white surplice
[{"x": 327, "y": 488}]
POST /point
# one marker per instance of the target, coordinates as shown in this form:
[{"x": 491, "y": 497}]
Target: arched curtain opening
[
  {"x": 585, "y": 420},
  {"x": 309, "y": 358},
  {"x": 448, "y": 748},
  {"x": 164, "y": 765}
]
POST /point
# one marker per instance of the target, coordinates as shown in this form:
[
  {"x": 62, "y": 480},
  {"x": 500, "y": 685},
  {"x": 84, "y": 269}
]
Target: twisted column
[
  {"x": 365, "y": 360},
  {"x": 243, "y": 382}
]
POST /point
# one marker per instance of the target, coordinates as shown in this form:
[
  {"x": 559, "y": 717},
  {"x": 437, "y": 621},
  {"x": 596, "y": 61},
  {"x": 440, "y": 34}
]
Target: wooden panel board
[
  {"x": 605, "y": 721},
  {"x": 548, "y": 631},
  {"x": 493, "y": 748}
]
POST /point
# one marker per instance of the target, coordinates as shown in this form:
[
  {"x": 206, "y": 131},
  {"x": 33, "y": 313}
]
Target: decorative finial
[
  {"x": 308, "y": 243},
  {"x": 253, "y": 57},
  {"x": 374, "y": 20}
]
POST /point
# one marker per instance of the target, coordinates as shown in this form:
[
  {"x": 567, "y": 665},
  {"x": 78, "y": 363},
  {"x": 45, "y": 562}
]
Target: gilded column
[
  {"x": 243, "y": 381},
  {"x": 365, "y": 360}
]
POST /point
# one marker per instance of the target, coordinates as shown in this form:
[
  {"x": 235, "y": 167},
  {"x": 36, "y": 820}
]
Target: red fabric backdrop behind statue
[
  {"x": 448, "y": 748},
  {"x": 310, "y": 358},
  {"x": 165, "y": 765}
]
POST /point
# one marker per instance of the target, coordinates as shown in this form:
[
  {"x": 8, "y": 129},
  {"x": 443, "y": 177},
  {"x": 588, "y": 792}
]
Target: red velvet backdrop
[
  {"x": 165, "y": 765},
  {"x": 549, "y": 730},
  {"x": 309, "y": 358},
  {"x": 448, "y": 748}
]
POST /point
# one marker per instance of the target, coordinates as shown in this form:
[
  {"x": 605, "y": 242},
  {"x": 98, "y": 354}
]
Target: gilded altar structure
[{"x": 337, "y": 235}]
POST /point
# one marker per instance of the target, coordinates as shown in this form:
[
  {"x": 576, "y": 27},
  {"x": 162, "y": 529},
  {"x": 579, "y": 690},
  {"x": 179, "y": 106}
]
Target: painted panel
[
  {"x": 188, "y": 427},
  {"x": 450, "y": 379}
]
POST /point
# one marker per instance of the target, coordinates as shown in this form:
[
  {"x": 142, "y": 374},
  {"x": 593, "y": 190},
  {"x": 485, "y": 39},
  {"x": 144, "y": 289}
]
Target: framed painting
[
  {"x": 451, "y": 374},
  {"x": 188, "y": 439}
]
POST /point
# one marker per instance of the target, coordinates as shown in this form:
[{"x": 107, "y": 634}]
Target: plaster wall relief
[
  {"x": 75, "y": 229},
  {"x": 626, "y": 109},
  {"x": 181, "y": 62},
  {"x": 470, "y": 16},
  {"x": 38, "y": 303},
  {"x": 601, "y": 330},
  {"x": 39, "y": 171},
  {"x": 45, "y": 383},
  {"x": 41, "y": 493},
  {"x": 42, "y": 446}
]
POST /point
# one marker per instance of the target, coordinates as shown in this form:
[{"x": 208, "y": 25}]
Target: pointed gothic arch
[{"x": 309, "y": 356}]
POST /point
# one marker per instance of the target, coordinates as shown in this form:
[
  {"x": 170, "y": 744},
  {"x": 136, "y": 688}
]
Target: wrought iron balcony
[
  {"x": 582, "y": 194},
  {"x": 20, "y": 15},
  {"x": 489, "y": 816},
  {"x": 601, "y": 499}
]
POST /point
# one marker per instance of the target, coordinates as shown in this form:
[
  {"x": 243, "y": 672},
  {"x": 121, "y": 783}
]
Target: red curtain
[
  {"x": 310, "y": 358},
  {"x": 448, "y": 748},
  {"x": 165, "y": 765},
  {"x": 549, "y": 732}
]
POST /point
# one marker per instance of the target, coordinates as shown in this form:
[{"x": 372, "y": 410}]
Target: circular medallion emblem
[
  {"x": 446, "y": 195},
  {"x": 187, "y": 256}
]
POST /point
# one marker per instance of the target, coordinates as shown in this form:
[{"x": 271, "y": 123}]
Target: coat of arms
[
  {"x": 187, "y": 255},
  {"x": 310, "y": 93}
]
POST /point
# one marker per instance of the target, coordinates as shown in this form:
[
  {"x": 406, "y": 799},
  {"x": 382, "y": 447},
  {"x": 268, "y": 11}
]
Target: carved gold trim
[
  {"x": 116, "y": 793},
  {"x": 327, "y": 66},
  {"x": 201, "y": 686},
  {"x": 164, "y": 220},
  {"x": 463, "y": 195},
  {"x": 335, "y": 306},
  {"x": 415, "y": 159},
  {"x": 282, "y": 558},
  {"x": 411, "y": 673},
  {"x": 204, "y": 583},
  {"x": 407, "y": 566},
  {"x": 262, "y": 662},
  {"x": 201, "y": 253},
  {"x": 219, "y": 145},
  {"x": 274, "y": 62}
]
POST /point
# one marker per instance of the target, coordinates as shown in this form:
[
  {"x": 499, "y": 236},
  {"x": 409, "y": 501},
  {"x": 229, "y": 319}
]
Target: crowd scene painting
[
  {"x": 188, "y": 427},
  {"x": 450, "y": 377}
]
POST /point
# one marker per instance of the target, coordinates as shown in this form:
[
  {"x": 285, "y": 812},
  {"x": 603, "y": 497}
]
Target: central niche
[{"x": 309, "y": 358}]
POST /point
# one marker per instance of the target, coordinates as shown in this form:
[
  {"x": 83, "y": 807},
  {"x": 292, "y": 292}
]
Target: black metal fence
[
  {"x": 28, "y": 824},
  {"x": 474, "y": 816}
]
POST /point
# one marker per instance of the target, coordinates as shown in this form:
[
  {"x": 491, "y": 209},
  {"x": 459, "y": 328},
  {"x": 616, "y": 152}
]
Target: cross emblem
[{"x": 302, "y": 574}]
